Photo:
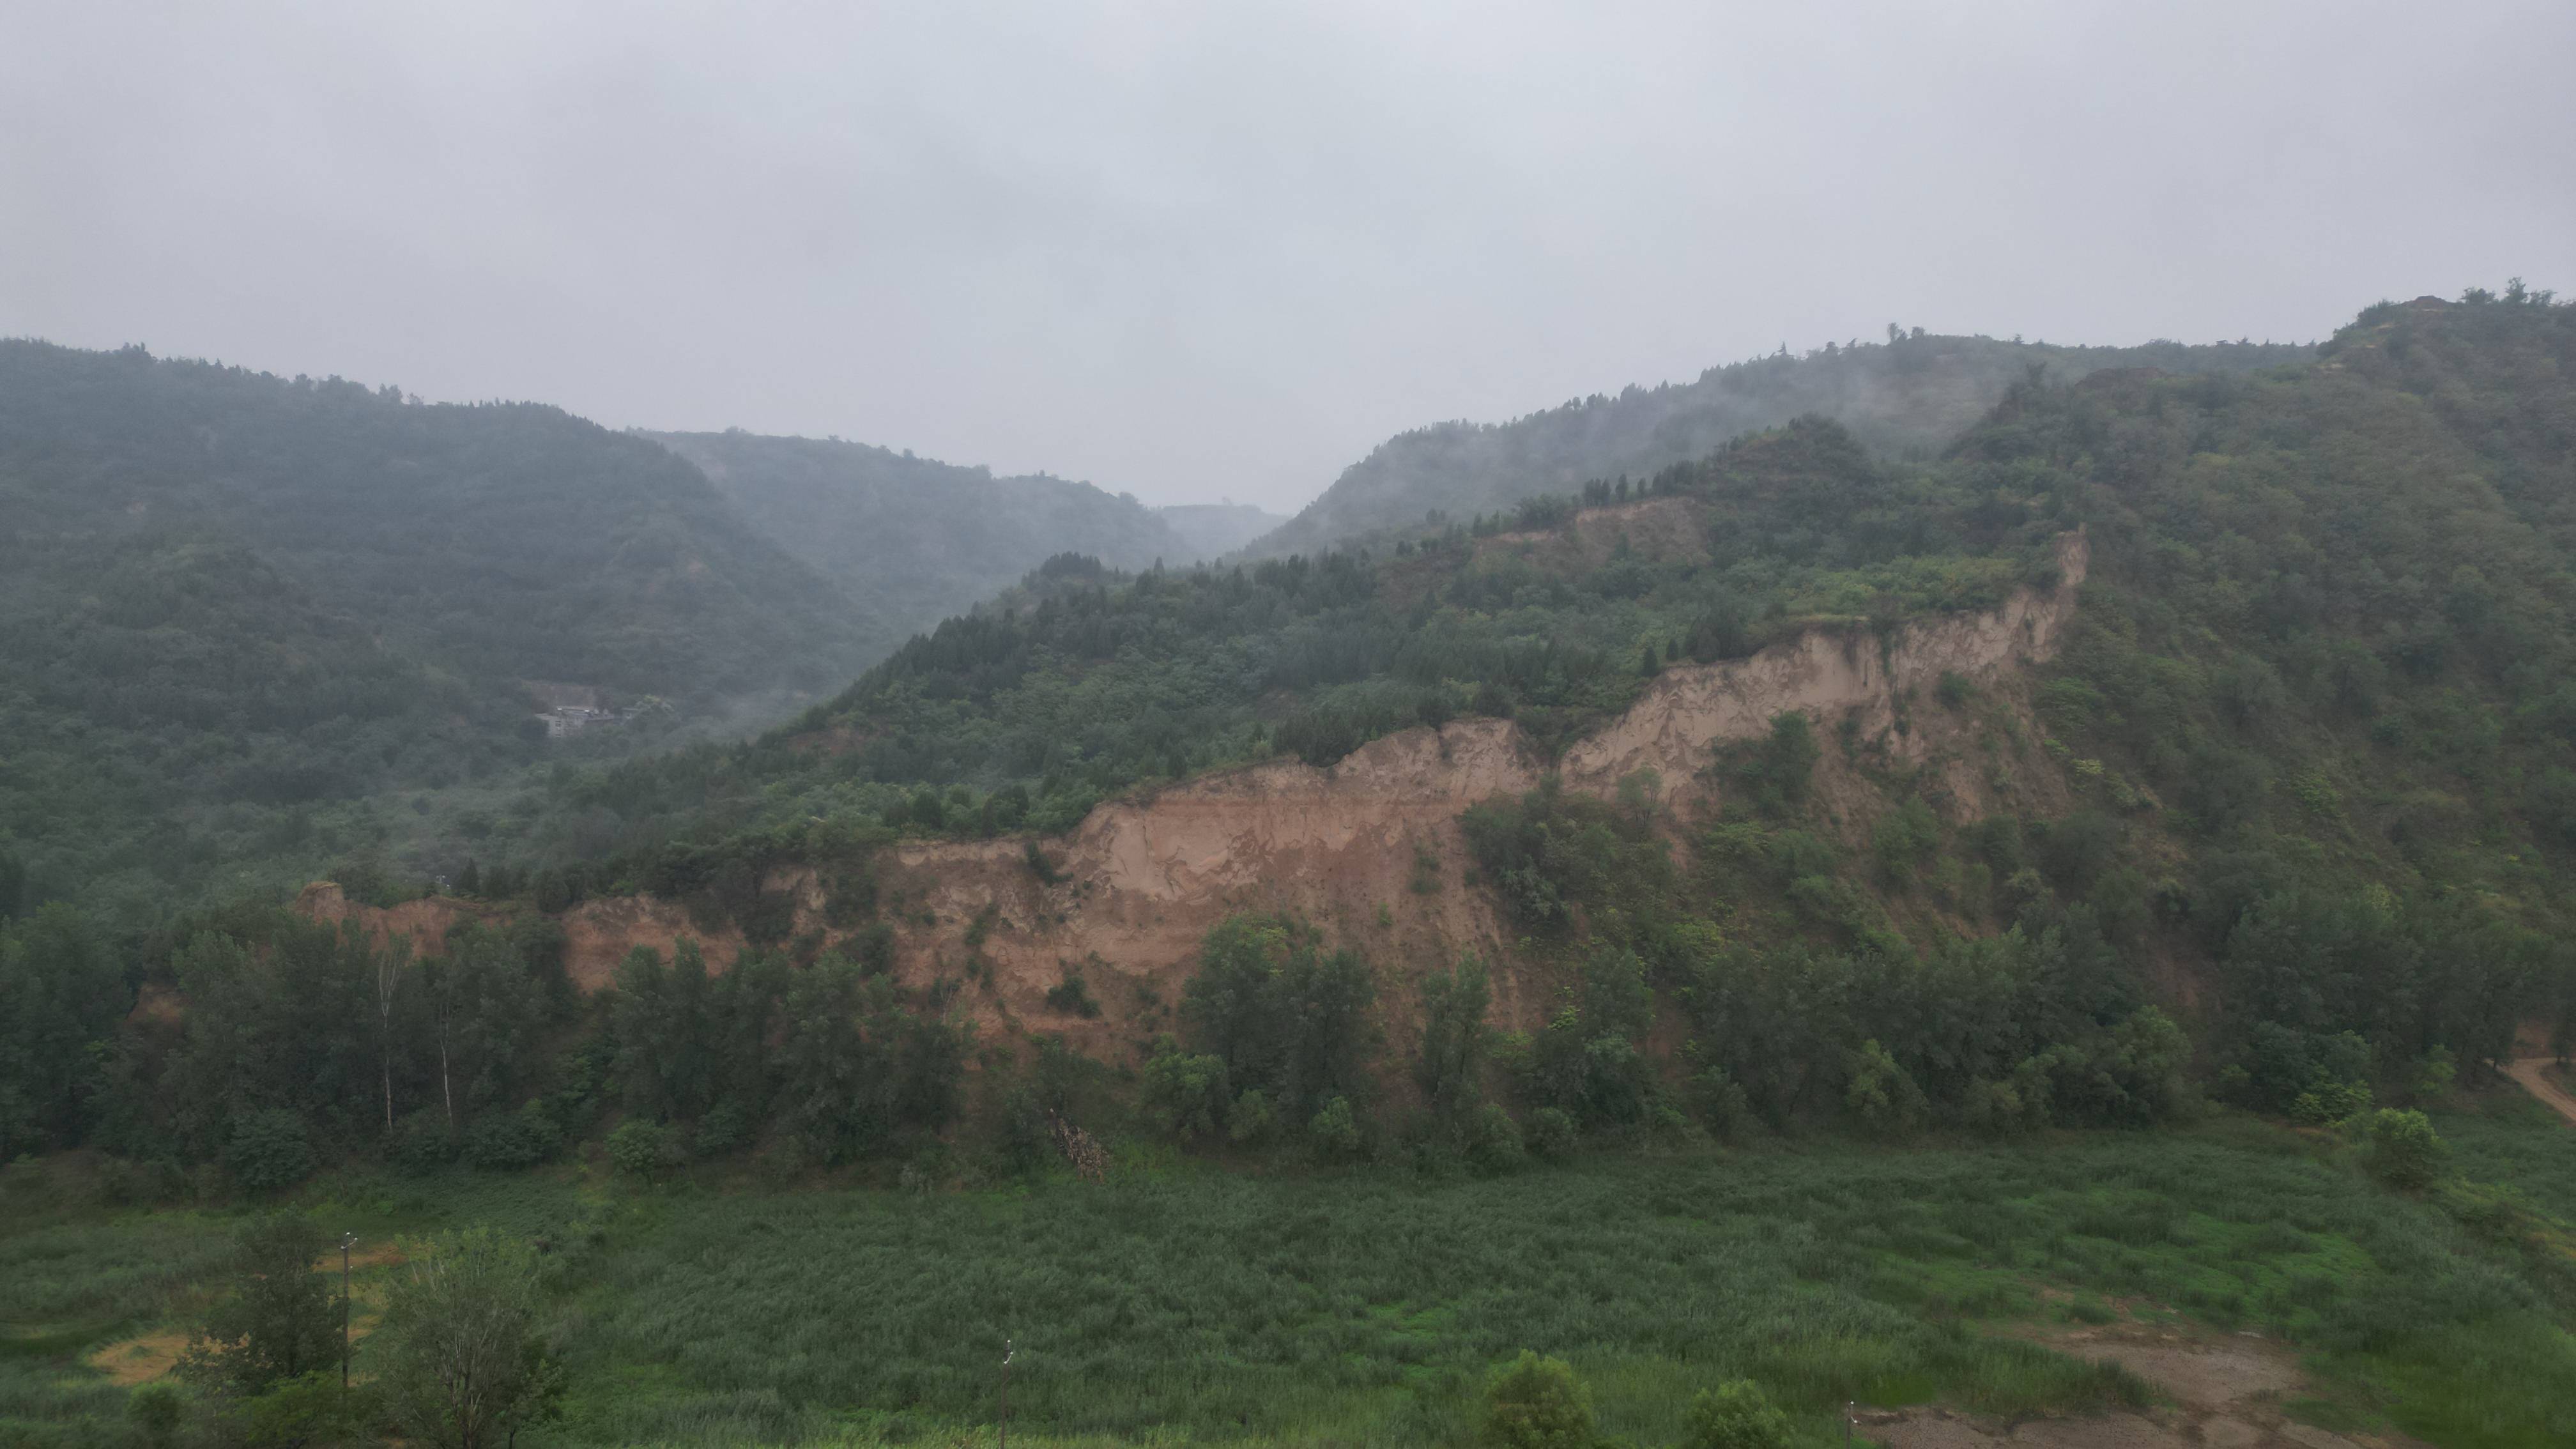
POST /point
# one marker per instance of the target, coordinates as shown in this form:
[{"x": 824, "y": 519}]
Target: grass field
[{"x": 1185, "y": 1303}]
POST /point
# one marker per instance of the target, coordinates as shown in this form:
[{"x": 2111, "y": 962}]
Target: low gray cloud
[{"x": 1203, "y": 250}]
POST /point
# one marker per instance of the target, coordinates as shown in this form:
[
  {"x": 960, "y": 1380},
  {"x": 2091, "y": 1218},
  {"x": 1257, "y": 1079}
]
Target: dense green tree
[
  {"x": 62, "y": 992},
  {"x": 1449, "y": 1065},
  {"x": 1284, "y": 1014},
  {"x": 463, "y": 1363},
  {"x": 490, "y": 998},
  {"x": 277, "y": 1318},
  {"x": 2404, "y": 1150}
]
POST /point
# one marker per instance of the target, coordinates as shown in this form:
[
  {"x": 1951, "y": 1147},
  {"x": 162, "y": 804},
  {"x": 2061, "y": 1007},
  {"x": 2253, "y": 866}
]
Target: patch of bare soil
[
  {"x": 139, "y": 1360},
  {"x": 2534, "y": 1076},
  {"x": 2226, "y": 1393}
]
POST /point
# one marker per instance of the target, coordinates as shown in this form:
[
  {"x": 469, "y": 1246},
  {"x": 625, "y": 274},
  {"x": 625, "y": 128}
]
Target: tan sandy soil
[
  {"x": 2535, "y": 1077},
  {"x": 131, "y": 1361},
  {"x": 2227, "y": 1393}
]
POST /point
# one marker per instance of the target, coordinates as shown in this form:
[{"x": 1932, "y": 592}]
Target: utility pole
[
  {"x": 1006, "y": 1394},
  {"x": 347, "y": 1240}
]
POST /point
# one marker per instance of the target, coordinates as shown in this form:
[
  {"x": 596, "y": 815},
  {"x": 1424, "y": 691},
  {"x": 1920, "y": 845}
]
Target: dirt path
[
  {"x": 2529, "y": 1072},
  {"x": 2227, "y": 1393}
]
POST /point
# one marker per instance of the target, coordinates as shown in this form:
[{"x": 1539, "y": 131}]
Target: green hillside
[
  {"x": 230, "y": 600},
  {"x": 911, "y": 540},
  {"x": 2152, "y": 998},
  {"x": 2311, "y": 722},
  {"x": 1911, "y": 394}
]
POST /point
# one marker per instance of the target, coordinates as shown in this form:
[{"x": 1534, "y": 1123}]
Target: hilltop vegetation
[
  {"x": 1084, "y": 681},
  {"x": 1908, "y": 396}
]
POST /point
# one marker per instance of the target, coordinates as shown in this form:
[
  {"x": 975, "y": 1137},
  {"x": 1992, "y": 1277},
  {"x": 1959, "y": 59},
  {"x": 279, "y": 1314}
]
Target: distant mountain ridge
[
  {"x": 228, "y": 599},
  {"x": 1912, "y": 393},
  {"x": 913, "y": 540},
  {"x": 1211, "y": 529}
]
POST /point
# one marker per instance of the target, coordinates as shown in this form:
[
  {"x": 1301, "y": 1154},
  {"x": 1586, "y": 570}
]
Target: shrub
[
  {"x": 1185, "y": 1093},
  {"x": 2327, "y": 1101},
  {"x": 1736, "y": 1415},
  {"x": 2436, "y": 1075},
  {"x": 873, "y": 949},
  {"x": 1071, "y": 996},
  {"x": 1907, "y": 837},
  {"x": 422, "y": 1144},
  {"x": 1537, "y": 1403},
  {"x": 1881, "y": 1094},
  {"x": 509, "y": 1141},
  {"x": 268, "y": 1150},
  {"x": 1494, "y": 1140},
  {"x": 1252, "y": 1119},
  {"x": 308, "y": 1409},
  {"x": 2404, "y": 1149},
  {"x": 1722, "y": 1104},
  {"x": 1335, "y": 1131},
  {"x": 157, "y": 1410},
  {"x": 726, "y": 1128},
  {"x": 1775, "y": 772},
  {"x": 642, "y": 1147},
  {"x": 1551, "y": 1134}
]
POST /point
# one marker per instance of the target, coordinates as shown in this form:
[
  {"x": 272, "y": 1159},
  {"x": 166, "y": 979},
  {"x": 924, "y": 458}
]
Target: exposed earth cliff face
[{"x": 1369, "y": 847}]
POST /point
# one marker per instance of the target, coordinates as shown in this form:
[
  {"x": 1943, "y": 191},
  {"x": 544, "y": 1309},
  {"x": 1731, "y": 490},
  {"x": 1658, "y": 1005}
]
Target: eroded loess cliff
[{"x": 1370, "y": 847}]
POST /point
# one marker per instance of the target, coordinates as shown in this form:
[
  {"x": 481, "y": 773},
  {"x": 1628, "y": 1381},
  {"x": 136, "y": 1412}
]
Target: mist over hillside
[
  {"x": 229, "y": 600},
  {"x": 1909, "y": 394},
  {"x": 913, "y": 540},
  {"x": 1212, "y": 529}
]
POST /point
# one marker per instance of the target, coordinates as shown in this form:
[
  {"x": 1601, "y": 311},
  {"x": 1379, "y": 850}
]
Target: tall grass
[
  {"x": 1364, "y": 1308},
  {"x": 1179, "y": 1303}
]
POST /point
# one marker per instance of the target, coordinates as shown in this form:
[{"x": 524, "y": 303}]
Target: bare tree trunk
[
  {"x": 445, "y": 1091},
  {"x": 388, "y": 977}
]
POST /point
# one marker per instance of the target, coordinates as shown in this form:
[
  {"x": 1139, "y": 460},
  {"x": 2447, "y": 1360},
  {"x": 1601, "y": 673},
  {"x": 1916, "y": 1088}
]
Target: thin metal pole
[
  {"x": 1006, "y": 1394},
  {"x": 345, "y": 1240}
]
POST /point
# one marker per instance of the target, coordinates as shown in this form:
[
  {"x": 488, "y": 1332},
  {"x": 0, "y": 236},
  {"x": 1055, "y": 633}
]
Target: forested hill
[
  {"x": 913, "y": 540},
  {"x": 2281, "y": 816},
  {"x": 2308, "y": 745},
  {"x": 1912, "y": 393},
  {"x": 224, "y": 593}
]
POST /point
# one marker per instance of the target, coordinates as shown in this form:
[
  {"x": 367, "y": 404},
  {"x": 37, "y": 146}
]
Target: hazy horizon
[{"x": 1195, "y": 255}]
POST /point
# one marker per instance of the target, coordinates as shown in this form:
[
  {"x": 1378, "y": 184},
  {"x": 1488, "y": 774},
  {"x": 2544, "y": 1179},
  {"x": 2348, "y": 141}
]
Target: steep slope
[
  {"x": 1125, "y": 898},
  {"x": 227, "y": 592},
  {"x": 1912, "y": 393},
  {"x": 2300, "y": 771},
  {"x": 1083, "y": 682},
  {"x": 912, "y": 540}
]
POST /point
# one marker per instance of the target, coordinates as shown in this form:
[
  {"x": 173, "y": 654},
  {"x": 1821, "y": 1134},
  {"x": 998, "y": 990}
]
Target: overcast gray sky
[{"x": 1223, "y": 249}]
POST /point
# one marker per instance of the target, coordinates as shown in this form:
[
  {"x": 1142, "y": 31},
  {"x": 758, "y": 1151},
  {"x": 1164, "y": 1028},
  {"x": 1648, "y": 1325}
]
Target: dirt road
[{"x": 2528, "y": 1071}]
